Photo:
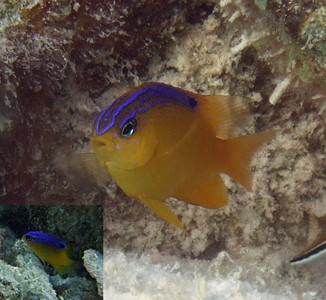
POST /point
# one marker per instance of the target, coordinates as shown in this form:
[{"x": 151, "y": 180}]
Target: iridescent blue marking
[
  {"x": 45, "y": 238},
  {"x": 118, "y": 110},
  {"x": 102, "y": 115},
  {"x": 132, "y": 115},
  {"x": 148, "y": 97}
]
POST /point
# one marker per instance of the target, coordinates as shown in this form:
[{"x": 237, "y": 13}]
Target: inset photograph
[{"x": 51, "y": 252}]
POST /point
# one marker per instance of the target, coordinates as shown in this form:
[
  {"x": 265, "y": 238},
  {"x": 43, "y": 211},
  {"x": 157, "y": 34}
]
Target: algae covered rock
[{"x": 24, "y": 277}]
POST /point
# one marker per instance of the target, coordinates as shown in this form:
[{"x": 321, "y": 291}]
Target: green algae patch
[{"x": 262, "y": 4}]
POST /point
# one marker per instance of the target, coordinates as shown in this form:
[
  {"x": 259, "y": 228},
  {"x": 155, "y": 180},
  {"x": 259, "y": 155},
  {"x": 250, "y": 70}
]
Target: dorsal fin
[{"x": 224, "y": 113}]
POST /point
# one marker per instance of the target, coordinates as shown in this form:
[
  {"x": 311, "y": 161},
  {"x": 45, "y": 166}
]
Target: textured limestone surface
[
  {"x": 21, "y": 277},
  {"x": 64, "y": 61},
  {"x": 178, "y": 278}
]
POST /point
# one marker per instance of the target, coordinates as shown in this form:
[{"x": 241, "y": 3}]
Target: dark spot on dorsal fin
[
  {"x": 62, "y": 245},
  {"x": 192, "y": 102}
]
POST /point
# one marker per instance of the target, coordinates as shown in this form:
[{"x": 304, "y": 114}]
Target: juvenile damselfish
[
  {"x": 49, "y": 249},
  {"x": 158, "y": 141}
]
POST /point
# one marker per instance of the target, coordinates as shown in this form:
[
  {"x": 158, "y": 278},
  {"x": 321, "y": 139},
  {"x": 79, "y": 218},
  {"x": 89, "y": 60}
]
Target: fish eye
[
  {"x": 129, "y": 127},
  {"x": 61, "y": 245},
  {"x": 28, "y": 237}
]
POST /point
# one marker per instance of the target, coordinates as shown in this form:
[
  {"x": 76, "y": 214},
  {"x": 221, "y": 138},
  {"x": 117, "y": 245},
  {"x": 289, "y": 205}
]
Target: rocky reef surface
[
  {"x": 62, "y": 62},
  {"x": 23, "y": 275},
  {"x": 179, "y": 278},
  {"x": 93, "y": 262}
]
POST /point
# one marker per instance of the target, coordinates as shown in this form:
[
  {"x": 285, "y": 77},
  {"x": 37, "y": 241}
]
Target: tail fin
[{"x": 239, "y": 153}]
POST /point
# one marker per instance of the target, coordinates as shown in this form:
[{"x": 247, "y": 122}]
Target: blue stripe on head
[
  {"x": 148, "y": 96},
  {"x": 45, "y": 238},
  {"x": 104, "y": 116}
]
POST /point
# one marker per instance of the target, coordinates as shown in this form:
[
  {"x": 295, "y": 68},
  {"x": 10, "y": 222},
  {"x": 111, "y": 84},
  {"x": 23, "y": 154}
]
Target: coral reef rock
[
  {"x": 131, "y": 277},
  {"x": 93, "y": 262},
  {"x": 24, "y": 278}
]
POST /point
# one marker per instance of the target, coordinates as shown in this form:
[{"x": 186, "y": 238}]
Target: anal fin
[
  {"x": 162, "y": 210},
  {"x": 205, "y": 190}
]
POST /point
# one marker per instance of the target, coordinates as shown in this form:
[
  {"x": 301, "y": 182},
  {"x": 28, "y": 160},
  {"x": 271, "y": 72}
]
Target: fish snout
[{"x": 99, "y": 142}]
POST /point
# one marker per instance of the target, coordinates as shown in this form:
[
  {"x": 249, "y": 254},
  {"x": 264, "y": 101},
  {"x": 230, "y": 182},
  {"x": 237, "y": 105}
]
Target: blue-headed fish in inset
[
  {"x": 158, "y": 141},
  {"x": 50, "y": 249}
]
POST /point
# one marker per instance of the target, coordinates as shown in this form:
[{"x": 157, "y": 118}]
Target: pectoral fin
[
  {"x": 162, "y": 210},
  {"x": 205, "y": 190}
]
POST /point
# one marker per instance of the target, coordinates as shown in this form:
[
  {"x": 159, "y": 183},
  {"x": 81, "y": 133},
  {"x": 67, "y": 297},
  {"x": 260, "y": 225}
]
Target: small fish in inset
[
  {"x": 49, "y": 249},
  {"x": 158, "y": 141},
  {"x": 314, "y": 252}
]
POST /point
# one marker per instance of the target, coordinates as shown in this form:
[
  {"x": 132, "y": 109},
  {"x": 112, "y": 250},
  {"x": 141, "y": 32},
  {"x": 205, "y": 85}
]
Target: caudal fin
[{"x": 239, "y": 153}]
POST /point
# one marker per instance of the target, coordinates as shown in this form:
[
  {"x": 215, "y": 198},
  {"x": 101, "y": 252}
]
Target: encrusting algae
[{"x": 158, "y": 141}]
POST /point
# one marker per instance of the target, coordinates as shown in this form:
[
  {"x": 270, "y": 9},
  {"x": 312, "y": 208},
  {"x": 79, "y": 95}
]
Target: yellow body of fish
[
  {"x": 58, "y": 258},
  {"x": 158, "y": 141}
]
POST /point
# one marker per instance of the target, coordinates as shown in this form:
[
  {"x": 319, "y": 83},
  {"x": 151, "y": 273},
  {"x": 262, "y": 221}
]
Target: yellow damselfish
[
  {"x": 158, "y": 141},
  {"x": 49, "y": 249}
]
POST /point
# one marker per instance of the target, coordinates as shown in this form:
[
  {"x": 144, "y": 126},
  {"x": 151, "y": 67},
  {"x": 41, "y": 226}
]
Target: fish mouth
[{"x": 99, "y": 142}]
